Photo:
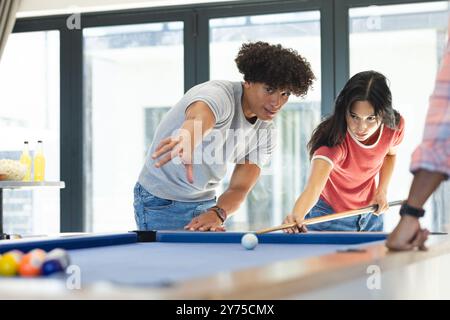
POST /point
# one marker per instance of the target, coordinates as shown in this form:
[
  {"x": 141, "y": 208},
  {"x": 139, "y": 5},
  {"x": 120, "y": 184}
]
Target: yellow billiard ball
[{"x": 9, "y": 263}]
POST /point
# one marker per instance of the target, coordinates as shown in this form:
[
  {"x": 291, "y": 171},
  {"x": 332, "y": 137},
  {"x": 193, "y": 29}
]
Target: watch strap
[
  {"x": 411, "y": 211},
  {"x": 221, "y": 213}
]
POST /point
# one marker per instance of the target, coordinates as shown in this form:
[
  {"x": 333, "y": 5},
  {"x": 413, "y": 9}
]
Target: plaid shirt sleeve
[{"x": 433, "y": 154}]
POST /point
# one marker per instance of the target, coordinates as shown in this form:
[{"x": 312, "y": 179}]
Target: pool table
[{"x": 209, "y": 265}]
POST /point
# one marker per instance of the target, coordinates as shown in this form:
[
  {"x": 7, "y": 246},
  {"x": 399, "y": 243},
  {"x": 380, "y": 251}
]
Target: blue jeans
[
  {"x": 153, "y": 213},
  {"x": 364, "y": 222}
]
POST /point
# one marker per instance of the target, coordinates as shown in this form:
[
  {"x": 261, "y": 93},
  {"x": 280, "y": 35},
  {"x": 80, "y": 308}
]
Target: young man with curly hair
[{"x": 214, "y": 123}]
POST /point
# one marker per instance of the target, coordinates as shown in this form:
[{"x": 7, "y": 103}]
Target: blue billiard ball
[
  {"x": 249, "y": 241},
  {"x": 51, "y": 266}
]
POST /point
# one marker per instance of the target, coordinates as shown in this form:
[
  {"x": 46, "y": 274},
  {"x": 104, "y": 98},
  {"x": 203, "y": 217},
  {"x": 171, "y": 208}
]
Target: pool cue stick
[{"x": 330, "y": 217}]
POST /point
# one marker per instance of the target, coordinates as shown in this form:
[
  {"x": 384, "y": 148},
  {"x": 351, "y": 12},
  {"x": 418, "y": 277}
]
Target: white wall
[{"x": 30, "y": 8}]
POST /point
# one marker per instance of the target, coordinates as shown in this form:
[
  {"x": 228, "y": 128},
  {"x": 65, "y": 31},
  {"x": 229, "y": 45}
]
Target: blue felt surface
[
  {"x": 162, "y": 264},
  {"x": 176, "y": 256}
]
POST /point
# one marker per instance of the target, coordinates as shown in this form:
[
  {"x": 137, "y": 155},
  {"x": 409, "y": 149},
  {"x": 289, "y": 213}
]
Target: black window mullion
[
  {"x": 328, "y": 62},
  {"x": 190, "y": 50},
  {"x": 202, "y": 56},
  {"x": 341, "y": 40},
  {"x": 71, "y": 131}
]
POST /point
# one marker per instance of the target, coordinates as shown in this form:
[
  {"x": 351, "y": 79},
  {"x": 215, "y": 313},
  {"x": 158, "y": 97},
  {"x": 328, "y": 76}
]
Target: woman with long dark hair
[{"x": 348, "y": 151}]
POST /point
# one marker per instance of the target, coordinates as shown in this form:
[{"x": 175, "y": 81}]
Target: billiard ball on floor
[{"x": 249, "y": 241}]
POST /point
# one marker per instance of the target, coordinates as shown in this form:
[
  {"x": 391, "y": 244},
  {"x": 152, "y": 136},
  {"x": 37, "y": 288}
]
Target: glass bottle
[
  {"x": 39, "y": 162},
  {"x": 25, "y": 159}
]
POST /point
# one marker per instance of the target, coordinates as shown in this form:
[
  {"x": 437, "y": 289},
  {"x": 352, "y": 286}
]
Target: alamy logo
[
  {"x": 73, "y": 281},
  {"x": 73, "y": 22},
  {"x": 374, "y": 280}
]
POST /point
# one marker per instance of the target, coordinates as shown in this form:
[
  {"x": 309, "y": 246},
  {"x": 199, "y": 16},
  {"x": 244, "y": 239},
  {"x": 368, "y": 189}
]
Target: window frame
[{"x": 334, "y": 31}]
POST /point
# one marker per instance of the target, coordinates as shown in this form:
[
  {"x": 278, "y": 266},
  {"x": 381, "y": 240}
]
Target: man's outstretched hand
[{"x": 172, "y": 147}]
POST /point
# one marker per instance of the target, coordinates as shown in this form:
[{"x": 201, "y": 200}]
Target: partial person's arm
[
  {"x": 424, "y": 184},
  {"x": 408, "y": 235},
  {"x": 385, "y": 175},
  {"x": 242, "y": 181},
  {"x": 320, "y": 171},
  {"x": 198, "y": 123},
  {"x": 432, "y": 154}
]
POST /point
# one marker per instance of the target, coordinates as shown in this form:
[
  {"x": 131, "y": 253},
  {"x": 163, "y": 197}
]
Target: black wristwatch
[
  {"x": 411, "y": 211},
  {"x": 221, "y": 213}
]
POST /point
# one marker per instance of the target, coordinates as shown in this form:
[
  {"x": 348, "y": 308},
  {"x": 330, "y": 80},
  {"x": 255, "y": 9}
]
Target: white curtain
[{"x": 8, "y": 10}]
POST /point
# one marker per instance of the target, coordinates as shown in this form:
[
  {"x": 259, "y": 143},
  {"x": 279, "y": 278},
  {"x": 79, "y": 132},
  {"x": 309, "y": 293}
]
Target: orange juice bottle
[
  {"x": 25, "y": 159},
  {"x": 39, "y": 163}
]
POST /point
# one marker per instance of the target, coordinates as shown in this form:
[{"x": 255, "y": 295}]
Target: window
[
  {"x": 275, "y": 194},
  {"x": 405, "y": 43},
  {"x": 132, "y": 75},
  {"x": 29, "y": 99},
  {"x": 133, "y": 72}
]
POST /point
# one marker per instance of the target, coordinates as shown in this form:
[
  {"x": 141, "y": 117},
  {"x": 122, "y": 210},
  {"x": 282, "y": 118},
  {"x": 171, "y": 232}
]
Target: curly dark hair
[{"x": 278, "y": 67}]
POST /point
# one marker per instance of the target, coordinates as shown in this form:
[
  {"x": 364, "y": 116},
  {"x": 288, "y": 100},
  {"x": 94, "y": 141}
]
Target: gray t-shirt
[{"x": 233, "y": 139}]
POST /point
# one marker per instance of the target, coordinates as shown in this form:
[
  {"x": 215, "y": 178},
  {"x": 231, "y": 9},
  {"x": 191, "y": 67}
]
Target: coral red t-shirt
[{"x": 352, "y": 183}]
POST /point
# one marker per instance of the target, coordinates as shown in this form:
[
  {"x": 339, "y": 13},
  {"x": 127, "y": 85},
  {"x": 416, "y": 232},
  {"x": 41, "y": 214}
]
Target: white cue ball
[{"x": 249, "y": 241}]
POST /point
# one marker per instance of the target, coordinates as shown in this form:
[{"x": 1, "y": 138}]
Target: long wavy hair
[{"x": 368, "y": 86}]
